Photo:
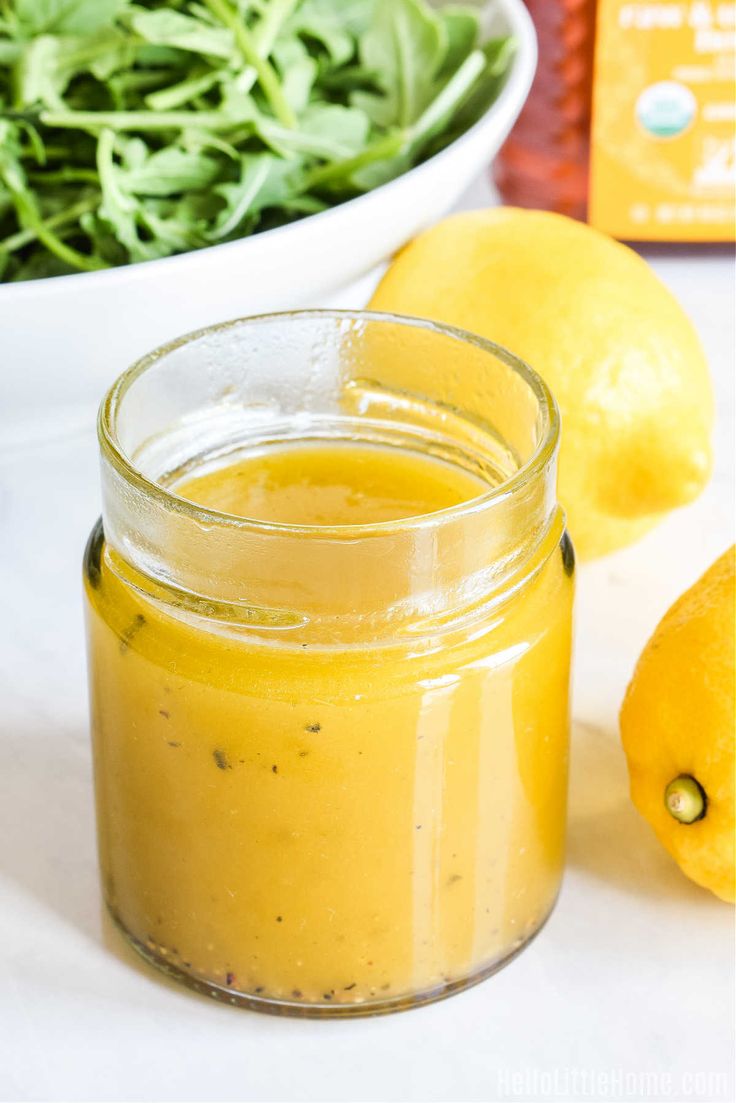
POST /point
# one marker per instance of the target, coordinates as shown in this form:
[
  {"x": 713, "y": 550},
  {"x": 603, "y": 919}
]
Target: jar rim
[{"x": 206, "y": 515}]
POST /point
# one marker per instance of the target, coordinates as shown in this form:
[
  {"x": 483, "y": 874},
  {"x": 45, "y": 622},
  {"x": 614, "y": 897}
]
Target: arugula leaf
[
  {"x": 335, "y": 26},
  {"x": 177, "y": 95},
  {"x": 118, "y": 210},
  {"x": 171, "y": 171},
  {"x": 498, "y": 54},
  {"x": 461, "y": 31},
  {"x": 39, "y": 75},
  {"x": 36, "y": 17},
  {"x": 353, "y": 17},
  {"x": 49, "y": 62},
  {"x": 265, "y": 181},
  {"x": 298, "y": 72},
  {"x": 437, "y": 114},
  {"x": 404, "y": 47},
  {"x": 250, "y": 53},
  {"x": 173, "y": 28},
  {"x": 333, "y": 131}
]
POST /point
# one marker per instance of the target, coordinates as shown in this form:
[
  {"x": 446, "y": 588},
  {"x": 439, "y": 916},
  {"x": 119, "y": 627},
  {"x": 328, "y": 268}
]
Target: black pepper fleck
[
  {"x": 279, "y": 919},
  {"x": 164, "y": 713},
  {"x": 296, "y": 993},
  {"x": 173, "y": 743},
  {"x": 221, "y": 760},
  {"x": 274, "y": 769},
  {"x": 314, "y": 728},
  {"x": 349, "y": 987},
  {"x": 229, "y": 978}
]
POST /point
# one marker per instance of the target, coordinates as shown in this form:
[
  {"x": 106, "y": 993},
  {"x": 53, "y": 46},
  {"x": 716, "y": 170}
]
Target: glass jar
[{"x": 330, "y": 761}]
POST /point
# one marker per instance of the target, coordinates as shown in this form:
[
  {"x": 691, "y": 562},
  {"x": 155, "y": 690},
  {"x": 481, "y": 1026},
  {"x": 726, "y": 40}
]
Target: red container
[{"x": 544, "y": 163}]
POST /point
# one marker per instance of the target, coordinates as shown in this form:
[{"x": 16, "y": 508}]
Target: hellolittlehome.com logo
[{"x": 617, "y": 1085}]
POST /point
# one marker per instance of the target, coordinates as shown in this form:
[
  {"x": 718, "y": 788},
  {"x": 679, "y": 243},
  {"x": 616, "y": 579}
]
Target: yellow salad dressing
[{"x": 330, "y": 824}]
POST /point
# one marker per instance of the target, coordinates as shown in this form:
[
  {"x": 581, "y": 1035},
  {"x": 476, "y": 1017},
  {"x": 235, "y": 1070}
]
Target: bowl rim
[{"x": 515, "y": 87}]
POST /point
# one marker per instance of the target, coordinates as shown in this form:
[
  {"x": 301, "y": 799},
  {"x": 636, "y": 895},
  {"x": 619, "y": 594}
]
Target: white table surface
[{"x": 628, "y": 994}]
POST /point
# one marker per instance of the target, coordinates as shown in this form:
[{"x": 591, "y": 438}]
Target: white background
[{"x": 627, "y": 994}]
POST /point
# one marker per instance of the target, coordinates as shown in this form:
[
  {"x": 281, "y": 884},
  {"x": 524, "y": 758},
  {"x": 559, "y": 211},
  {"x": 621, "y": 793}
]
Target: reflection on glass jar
[{"x": 329, "y": 609}]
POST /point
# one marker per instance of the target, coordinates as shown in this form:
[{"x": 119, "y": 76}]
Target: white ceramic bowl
[{"x": 64, "y": 340}]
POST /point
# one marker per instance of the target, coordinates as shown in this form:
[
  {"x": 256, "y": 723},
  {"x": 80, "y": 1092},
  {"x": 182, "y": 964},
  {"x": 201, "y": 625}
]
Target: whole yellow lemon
[
  {"x": 615, "y": 347},
  {"x": 677, "y": 726}
]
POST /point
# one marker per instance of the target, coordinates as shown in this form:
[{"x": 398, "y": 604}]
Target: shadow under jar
[{"x": 330, "y": 745}]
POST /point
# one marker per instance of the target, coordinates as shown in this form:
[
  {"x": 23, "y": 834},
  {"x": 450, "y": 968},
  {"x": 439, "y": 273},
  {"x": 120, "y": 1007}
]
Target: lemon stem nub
[{"x": 685, "y": 799}]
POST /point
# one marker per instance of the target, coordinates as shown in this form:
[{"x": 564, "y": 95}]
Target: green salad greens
[{"x": 134, "y": 130}]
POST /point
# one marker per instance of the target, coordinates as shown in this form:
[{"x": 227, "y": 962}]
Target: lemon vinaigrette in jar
[{"x": 329, "y": 618}]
